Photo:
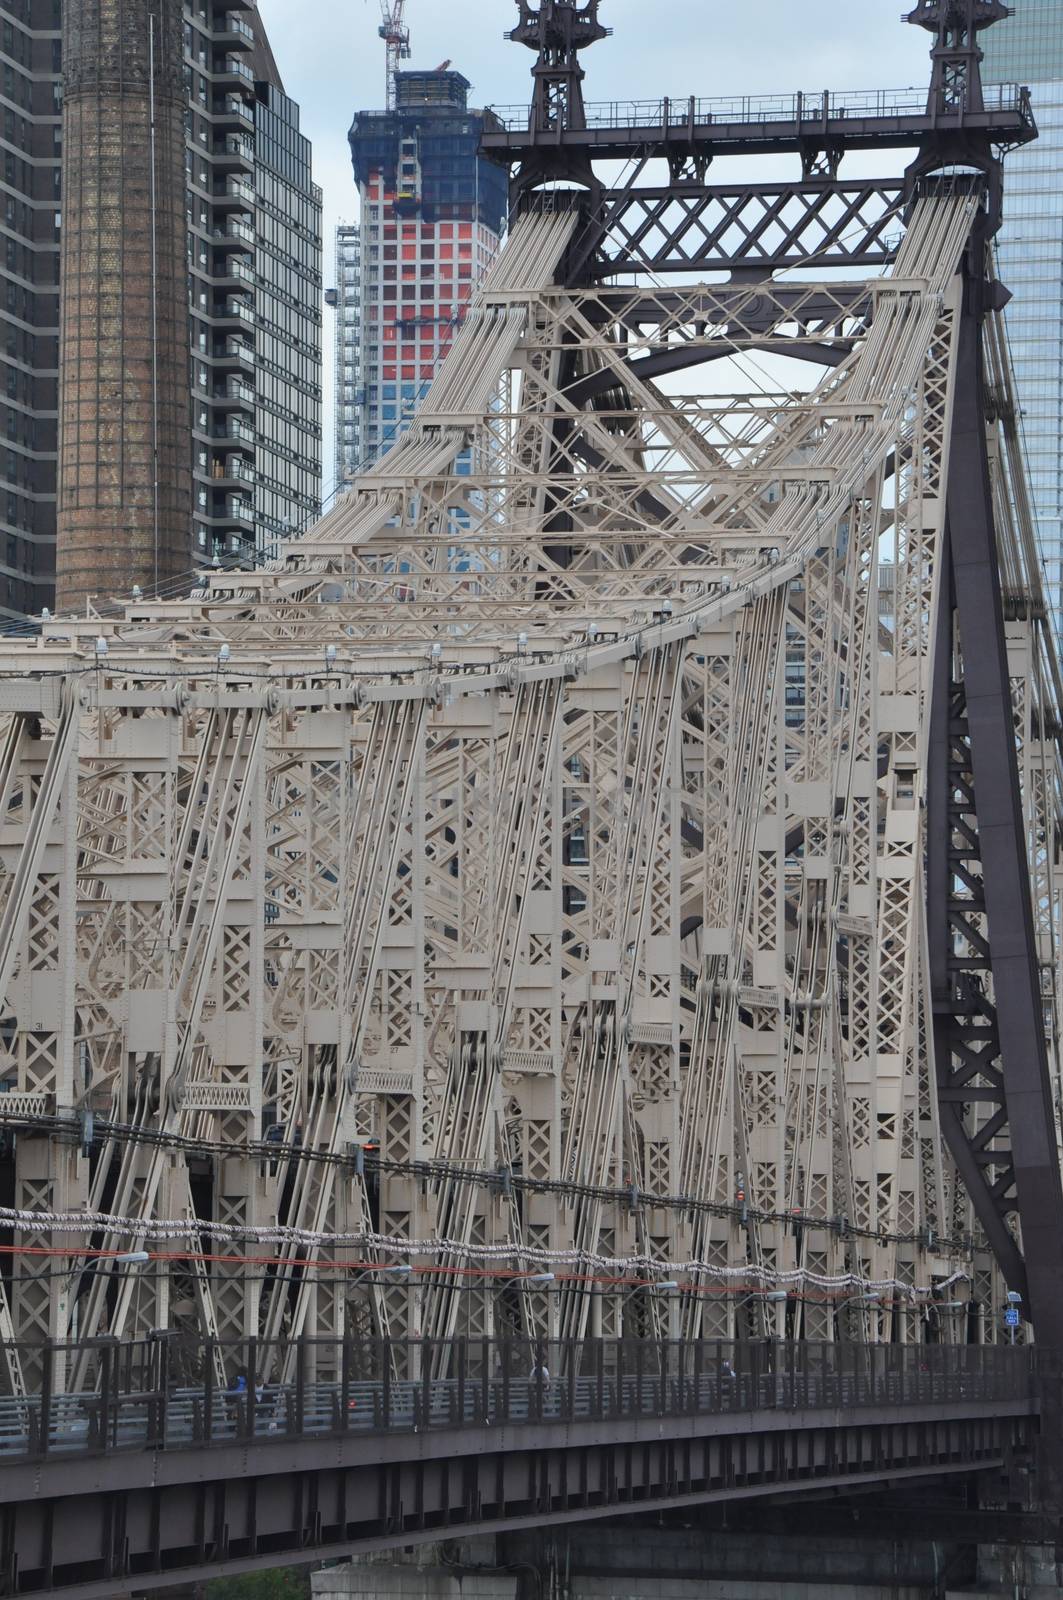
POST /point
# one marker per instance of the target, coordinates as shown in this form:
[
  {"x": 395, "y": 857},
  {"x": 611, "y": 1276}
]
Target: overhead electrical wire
[
  {"x": 581, "y": 1264},
  {"x": 913, "y": 1297},
  {"x": 497, "y": 1179}
]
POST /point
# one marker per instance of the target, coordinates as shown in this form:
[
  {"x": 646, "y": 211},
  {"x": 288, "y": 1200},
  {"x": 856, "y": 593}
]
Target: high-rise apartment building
[
  {"x": 30, "y": 106},
  {"x": 432, "y": 215},
  {"x": 346, "y": 301},
  {"x": 1027, "y": 48},
  {"x": 255, "y": 256},
  {"x": 254, "y": 219},
  {"x": 287, "y": 301}
]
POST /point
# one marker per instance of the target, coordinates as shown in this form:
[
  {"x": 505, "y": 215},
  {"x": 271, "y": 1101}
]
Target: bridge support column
[
  {"x": 186, "y": 1591},
  {"x": 459, "y": 1569},
  {"x": 1029, "y": 1572},
  {"x": 615, "y": 1562}
]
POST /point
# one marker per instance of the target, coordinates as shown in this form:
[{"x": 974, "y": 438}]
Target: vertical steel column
[{"x": 1005, "y": 877}]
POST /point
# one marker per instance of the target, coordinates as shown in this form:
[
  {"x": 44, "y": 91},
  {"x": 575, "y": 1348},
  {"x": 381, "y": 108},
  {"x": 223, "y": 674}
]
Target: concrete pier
[{"x": 599, "y": 1562}]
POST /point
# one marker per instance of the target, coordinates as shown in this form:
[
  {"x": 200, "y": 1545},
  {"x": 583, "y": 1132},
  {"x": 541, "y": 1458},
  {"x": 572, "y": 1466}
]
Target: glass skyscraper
[
  {"x": 1027, "y": 48},
  {"x": 31, "y": 106},
  {"x": 287, "y": 495}
]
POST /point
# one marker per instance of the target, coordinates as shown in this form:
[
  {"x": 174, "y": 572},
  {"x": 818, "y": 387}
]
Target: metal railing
[
  {"x": 231, "y": 23},
  {"x": 800, "y": 108},
  {"x": 168, "y": 1392}
]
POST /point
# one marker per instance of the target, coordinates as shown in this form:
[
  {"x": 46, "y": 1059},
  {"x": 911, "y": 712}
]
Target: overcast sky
[{"x": 332, "y": 63}]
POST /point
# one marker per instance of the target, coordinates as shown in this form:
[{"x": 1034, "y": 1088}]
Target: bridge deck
[
  {"x": 156, "y": 1394},
  {"x": 165, "y": 1485}
]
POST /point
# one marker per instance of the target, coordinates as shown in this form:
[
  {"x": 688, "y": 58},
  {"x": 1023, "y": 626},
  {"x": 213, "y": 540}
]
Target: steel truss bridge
[{"x": 603, "y": 880}]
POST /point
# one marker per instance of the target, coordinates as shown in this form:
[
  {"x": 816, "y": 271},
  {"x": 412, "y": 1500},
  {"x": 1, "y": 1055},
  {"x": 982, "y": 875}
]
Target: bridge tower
[
  {"x": 989, "y": 1053},
  {"x": 558, "y": 31}
]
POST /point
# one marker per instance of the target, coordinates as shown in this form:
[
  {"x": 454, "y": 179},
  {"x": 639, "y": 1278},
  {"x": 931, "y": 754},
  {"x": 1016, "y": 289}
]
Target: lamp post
[
  {"x": 866, "y": 1302},
  {"x": 778, "y": 1298},
  {"x": 952, "y": 1306},
  {"x": 671, "y": 1288}
]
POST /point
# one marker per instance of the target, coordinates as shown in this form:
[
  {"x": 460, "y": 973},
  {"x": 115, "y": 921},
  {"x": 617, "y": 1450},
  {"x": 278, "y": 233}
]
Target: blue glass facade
[{"x": 1028, "y": 49}]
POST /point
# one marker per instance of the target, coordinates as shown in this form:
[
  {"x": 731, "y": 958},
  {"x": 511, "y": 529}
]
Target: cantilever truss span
[{"x": 526, "y": 877}]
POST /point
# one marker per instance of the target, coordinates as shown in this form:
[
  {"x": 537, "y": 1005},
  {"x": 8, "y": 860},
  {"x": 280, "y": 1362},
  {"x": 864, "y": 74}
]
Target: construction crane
[{"x": 396, "y": 35}]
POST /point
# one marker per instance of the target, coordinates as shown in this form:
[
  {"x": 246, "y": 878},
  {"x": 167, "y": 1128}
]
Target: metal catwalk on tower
[{"x": 613, "y": 889}]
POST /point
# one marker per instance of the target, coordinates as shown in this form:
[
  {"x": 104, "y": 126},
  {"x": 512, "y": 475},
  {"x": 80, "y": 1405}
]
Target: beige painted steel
[{"x": 558, "y": 821}]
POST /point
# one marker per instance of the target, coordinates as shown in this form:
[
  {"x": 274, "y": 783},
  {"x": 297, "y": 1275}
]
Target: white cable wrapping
[{"x": 191, "y": 1231}]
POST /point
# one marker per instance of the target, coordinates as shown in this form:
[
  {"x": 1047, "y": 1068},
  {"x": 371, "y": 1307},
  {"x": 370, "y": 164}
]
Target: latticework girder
[{"x": 524, "y": 875}]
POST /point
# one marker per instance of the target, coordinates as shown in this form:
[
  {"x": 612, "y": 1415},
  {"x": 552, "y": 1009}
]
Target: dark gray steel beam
[
  {"x": 98, "y": 1540},
  {"x": 604, "y": 141},
  {"x": 1002, "y": 847},
  {"x": 949, "y": 1516},
  {"x": 694, "y": 227},
  {"x": 119, "y": 1471}
]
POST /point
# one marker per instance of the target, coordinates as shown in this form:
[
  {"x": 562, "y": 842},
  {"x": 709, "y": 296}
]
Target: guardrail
[
  {"x": 817, "y": 107},
  {"x": 168, "y": 1393}
]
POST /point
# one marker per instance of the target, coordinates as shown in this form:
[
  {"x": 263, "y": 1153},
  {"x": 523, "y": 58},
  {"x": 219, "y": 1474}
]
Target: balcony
[
  {"x": 233, "y": 109},
  {"x": 230, "y": 470},
  {"x": 238, "y": 510},
  {"x": 233, "y": 69},
  {"x": 234, "y": 151},
  {"x": 234, "y": 352},
  {"x": 222, "y": 518},
  {"x": 234, "y": 392},
  {"x": 236, "y": 430},
  {"x": 233, "y": 195},
  {"x": 235, "y": 311},
  {"x": 232, "y": 30},
  {"x": 234, "y": 236},
  {"x": 225, "y": 268}
]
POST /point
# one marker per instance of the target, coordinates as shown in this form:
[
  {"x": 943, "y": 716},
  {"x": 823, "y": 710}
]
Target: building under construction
[
  {"x": 432, "y": 214},
  {"x": 346, "y": 300}
]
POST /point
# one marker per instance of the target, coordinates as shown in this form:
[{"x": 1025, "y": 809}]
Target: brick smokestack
[{"x": 125, "y": 446}]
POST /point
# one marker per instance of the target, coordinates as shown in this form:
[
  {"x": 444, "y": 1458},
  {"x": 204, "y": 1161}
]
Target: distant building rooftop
[
  {"x": 427, "y": 151},
  {"x": 417, "y": 90}
]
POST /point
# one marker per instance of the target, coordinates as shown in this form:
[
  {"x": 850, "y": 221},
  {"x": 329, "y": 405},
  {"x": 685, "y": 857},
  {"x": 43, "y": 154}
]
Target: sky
[{"x": 332, "y": 62}]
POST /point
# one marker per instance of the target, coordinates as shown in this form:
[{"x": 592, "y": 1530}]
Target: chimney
[{"x": 125, "y": 446}]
